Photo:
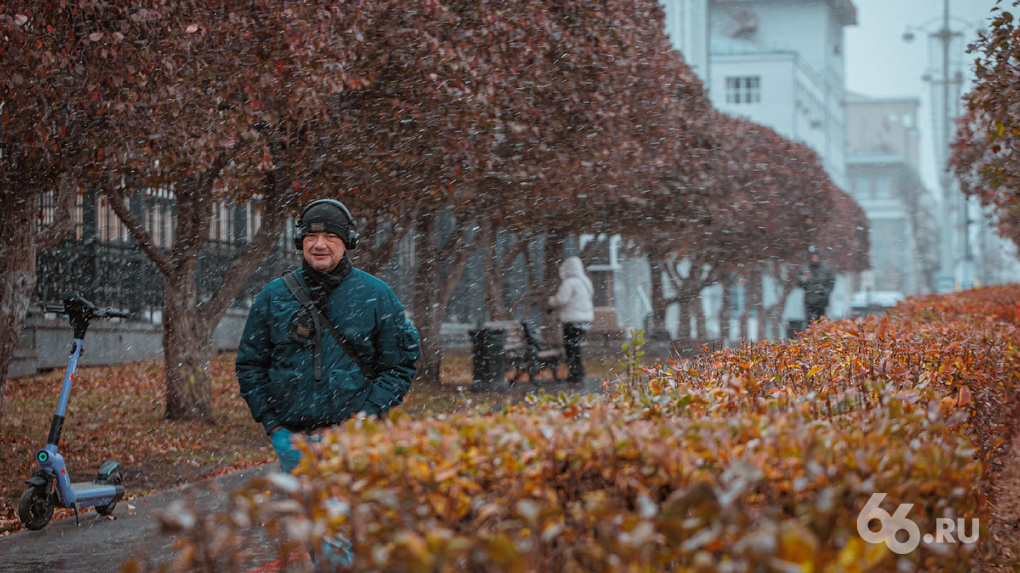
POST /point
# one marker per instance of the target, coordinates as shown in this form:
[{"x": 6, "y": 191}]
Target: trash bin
[
  {"x": 795, "y": 327},
  {"x": 487, "y": 358}
]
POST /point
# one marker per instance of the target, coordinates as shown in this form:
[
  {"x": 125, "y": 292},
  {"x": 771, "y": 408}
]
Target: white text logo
[{"x": 898, "y": 521}]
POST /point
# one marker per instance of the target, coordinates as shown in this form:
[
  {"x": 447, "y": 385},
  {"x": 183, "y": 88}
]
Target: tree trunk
[
  {"x": 189, "y": 325},
  {"x": 687, "y": 296},
  {"x": 657, "y": 318},
  {"x": 725, "y": 311},
  {"x": 774, "y": 313},
  {"x": 493, "y": 293},
  {"x": 698, "y": 309},
  {"x": 754, "y": 299},
  {"x": 554, "y": 239},
  {"x": 380, "y": 243},
  {"x": 427, "y": 315},
  {"x": 745, "y": 312},
  {"x": 20, "y": 242},
  {"x": 187, "y": 350},
  {"x": 433, "y": 288},
  {"x": 683, "y": 321},
  {"x": 17, "y": 269}
]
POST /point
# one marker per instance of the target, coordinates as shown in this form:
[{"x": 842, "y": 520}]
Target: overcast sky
[{"x": 879, "y": 63}]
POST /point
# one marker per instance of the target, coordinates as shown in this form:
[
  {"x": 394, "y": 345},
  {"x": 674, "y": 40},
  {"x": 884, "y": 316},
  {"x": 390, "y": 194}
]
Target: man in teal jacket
[{"x": 295, "y": 375}]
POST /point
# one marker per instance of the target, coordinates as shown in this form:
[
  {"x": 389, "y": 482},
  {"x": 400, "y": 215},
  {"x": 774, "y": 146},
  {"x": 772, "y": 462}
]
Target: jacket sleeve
[
  {"x": 563, "y": 295},
  {"x": 254, "y": 353},
  {"x": 395, "y": 367}
]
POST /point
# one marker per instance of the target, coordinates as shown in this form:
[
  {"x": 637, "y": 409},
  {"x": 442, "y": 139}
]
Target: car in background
[{"x": 874, "y": 301}]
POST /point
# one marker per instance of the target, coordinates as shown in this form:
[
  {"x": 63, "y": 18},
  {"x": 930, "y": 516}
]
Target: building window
[
  {"x": 110, "y": 227},
  {"x": 859, "y": 186},
  {"x": 883, "y": 187},
  {"x": 741, "y": 90}
]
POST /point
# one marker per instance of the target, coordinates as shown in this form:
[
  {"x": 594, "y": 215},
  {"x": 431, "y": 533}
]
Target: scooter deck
[{"x": 86, "y": 487}]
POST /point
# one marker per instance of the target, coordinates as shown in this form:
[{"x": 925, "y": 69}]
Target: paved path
[{"x": 101, "y": 544}]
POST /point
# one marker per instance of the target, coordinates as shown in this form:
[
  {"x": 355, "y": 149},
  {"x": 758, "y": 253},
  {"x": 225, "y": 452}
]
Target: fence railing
[{"x": 122, "y": 276}]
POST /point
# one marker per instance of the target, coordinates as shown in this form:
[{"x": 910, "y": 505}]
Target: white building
[
  {"x": 780, "y": 63},
  {"x": 687, "y": 28}
]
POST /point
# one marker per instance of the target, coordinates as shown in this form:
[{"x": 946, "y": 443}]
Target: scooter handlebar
[{"x": 99, "y": 313}]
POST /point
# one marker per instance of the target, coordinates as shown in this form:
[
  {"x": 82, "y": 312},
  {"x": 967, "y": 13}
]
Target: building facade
[
  {"x": 781, "y": 64},
  {"x": 882, "y": 166},
  {"x": 687, "y": 28}
]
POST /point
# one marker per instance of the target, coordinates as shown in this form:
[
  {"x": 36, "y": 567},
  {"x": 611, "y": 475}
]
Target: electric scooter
[{"x": 50, "y": 485}]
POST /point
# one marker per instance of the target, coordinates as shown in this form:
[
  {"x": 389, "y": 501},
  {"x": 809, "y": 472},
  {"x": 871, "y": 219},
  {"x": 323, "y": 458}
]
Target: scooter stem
[{"x": 57, "y": 425}]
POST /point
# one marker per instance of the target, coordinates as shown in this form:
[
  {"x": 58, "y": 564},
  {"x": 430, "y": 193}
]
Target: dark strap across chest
[{"x": 321, "y": 322}]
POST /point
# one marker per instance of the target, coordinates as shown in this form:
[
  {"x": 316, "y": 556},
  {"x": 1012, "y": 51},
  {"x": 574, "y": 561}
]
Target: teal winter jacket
[{"x": 276, "y": 374}]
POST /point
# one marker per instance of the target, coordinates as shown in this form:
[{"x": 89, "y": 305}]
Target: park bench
[{"x": 524, "y": 350}]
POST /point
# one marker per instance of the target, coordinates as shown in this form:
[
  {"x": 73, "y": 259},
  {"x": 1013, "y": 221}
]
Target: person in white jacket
[{"x": 573, "y": 303}]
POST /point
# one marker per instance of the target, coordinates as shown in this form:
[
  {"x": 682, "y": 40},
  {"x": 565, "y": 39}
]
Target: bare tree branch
[
  {"x": 119, "y": 206},
  {"x": 373, "y": 259},
  {"x": 274, "y": 214}
]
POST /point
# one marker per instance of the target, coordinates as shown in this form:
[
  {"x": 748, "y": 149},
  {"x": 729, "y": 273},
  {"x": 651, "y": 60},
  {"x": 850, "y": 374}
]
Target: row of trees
[
  {"x": 533, "y": 117},
  {"x": 764, "y": 200}
]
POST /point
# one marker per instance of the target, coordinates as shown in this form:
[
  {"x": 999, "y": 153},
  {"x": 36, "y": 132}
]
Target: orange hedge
[{"x": 756, "y": 459}]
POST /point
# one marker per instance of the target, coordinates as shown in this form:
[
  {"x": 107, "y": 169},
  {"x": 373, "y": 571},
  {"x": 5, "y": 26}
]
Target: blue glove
[
  {"x": 285, "y": 450},
  {"x": 336, "y": 551}
]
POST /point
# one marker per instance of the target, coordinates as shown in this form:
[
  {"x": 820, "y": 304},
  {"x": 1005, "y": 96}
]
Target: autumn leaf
[{"x": 965, "y": 396}]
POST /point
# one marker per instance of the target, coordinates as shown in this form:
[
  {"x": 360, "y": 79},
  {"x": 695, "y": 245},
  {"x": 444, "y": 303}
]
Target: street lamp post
[{"x": 946, "y": 81}]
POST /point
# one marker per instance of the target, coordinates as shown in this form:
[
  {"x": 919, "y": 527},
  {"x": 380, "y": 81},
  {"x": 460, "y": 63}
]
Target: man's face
[
  {"x": 815, "y": 257},
  {"x": 323, "y": 251}
]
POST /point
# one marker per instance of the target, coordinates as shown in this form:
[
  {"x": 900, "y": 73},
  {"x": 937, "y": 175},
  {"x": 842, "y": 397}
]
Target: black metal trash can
[
  {"x": 795, "y": 327},
  {"x": 487, "y": 358}
]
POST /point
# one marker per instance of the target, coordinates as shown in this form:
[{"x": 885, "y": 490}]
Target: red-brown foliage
[{"x": 766, "y": 454}]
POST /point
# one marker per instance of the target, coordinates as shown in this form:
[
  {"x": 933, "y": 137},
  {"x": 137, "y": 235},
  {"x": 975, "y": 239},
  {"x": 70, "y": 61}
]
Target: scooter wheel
[
  {"x": 35, "y": 509},
  {"x": 114, "y": 479}
]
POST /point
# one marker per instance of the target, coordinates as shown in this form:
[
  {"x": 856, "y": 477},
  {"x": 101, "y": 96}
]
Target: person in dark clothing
[
  {"x": 295, "y": 374},
  {"x": 817, "y": 279}
]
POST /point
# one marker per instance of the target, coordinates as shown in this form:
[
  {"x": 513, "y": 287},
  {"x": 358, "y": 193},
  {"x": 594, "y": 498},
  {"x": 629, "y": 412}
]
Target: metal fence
[{"x": 110, "y": 268}]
